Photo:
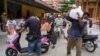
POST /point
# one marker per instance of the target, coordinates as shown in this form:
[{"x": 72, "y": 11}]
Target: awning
[
  {"x": 45, "y": 6},
  {"x": 39, "y": 4}
]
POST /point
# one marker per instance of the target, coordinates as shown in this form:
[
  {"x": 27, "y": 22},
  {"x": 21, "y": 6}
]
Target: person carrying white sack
[
  {"x": 74, "y": 11},
  {"x": 73, "y": 14},
  {"x": 75, "y": 31}
]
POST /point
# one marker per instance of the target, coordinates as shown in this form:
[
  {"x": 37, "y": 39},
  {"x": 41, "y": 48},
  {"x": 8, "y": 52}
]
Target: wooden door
[{"x": 91, "y": 10}]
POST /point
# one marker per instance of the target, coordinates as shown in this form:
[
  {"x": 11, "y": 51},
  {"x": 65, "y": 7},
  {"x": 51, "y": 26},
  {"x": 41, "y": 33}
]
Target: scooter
[
  {"x": 57, "y": 30},
  {"x": 90, "y": 42},
  {"x": 13, "y": 49},
  {"x": 45, "y": 44}
]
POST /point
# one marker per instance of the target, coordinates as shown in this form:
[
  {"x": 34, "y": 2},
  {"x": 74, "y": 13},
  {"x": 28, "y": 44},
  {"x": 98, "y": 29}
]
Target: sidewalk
[{"x": 3, "y": 35}]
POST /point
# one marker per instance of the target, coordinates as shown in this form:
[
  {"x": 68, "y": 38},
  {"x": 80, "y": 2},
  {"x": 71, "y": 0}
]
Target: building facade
[
  {"x": 91, "y": 6},
  {"x": 24, "y": 8},
  {"x": 54, "y": 3}
]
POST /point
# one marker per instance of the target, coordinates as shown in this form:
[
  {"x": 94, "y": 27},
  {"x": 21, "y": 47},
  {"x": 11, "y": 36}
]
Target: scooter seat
[{"x": 90, "y": 37}]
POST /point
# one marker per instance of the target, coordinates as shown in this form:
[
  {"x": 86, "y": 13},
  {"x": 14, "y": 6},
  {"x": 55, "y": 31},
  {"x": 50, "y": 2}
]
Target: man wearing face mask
[
  {"x": 87, "y": 22},
  {"x": 75, "y": 33}
]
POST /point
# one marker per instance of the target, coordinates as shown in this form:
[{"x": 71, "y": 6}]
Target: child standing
[{"x": 45, "y": 27}]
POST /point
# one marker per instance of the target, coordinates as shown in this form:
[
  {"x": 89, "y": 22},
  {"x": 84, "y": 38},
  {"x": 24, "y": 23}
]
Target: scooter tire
[
  {"x": 45, "y": 49},
  {"x": 11, "y": 52},
  {"x": 94, "y": 48}
]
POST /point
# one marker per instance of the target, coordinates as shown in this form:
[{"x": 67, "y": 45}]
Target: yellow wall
[
  {"x": 34, "y": 10},
  {"x": 26, "y": 8},
  {"x": 5, "y": 5}
]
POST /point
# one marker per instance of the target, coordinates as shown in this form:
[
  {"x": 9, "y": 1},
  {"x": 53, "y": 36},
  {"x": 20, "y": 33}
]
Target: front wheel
[
  {"x": 11, "y": 52},
  {"x": 90, "y": 46},
  {"x": 45, "y": 49}
]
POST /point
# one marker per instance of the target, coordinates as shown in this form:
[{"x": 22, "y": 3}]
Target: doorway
[
  {"x": 91, "y": 10},
  {"x": 1, "y": 11}
]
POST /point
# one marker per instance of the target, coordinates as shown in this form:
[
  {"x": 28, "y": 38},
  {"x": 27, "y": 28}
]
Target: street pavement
[{"x": 60, "y": 49}]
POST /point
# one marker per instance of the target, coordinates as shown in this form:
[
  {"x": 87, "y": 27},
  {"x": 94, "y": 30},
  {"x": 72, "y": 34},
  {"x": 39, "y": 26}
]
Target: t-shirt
[
  {"x": 34, "y": 26},
  {"x": 59, "y": 21},
  {"x": 11, "y": 26},
  {"x": 44, "y": 28},
  {"x": 76, "y": 30}
]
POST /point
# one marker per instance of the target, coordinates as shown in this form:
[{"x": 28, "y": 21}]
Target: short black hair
[{"x": 86, "y": 13}]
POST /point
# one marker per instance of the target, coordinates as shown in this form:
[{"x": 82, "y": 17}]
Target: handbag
[{"x": 31, "y": 37}]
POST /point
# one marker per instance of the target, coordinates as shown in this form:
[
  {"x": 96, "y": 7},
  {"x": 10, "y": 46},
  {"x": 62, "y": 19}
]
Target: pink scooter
[{"x": 13, "y": 49}]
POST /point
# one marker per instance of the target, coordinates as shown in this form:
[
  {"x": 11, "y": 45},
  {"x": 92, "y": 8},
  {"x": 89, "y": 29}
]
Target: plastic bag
[{"x": 94, "y": 30}]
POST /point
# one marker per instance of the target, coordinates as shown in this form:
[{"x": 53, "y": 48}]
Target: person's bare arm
[
  {"x": 80, "y": 20},
  {"x": 23, "y": 29},
  {"x": 69, "y": 24}
]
